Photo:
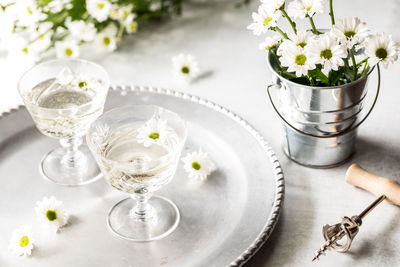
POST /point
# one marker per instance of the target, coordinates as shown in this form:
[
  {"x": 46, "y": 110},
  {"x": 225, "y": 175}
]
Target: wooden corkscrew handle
[{"x": 377, "y": 185}]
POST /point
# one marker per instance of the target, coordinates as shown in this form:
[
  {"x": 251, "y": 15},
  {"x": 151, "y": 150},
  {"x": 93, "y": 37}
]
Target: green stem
[
  {"x": 331, "y": 12},
  {"x": 362, "y": 61},
  {"x": 277, "y": 29},
  {"x": 290, "y": 20},
  {"x": 38, "y": 37},
  {"x": 120, "y": 32},
  {"x": 311, "y": 81},
  {"x": 314, "y": 30},
  {"x": 353, "y": 59},
  {"x": 276, "y": 60},
  {"x": 365, "y": 67}
]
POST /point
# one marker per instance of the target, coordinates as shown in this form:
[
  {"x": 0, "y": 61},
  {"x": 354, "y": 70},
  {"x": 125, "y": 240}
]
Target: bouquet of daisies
[
  {"x": 315, "y": 57},
  {"x": 30, "y": 28}
]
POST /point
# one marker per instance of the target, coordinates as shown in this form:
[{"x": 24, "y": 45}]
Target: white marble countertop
[{"x": 235, "y": 77}]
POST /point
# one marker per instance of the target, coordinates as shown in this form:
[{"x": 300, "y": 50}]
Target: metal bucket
[{"x": 320, "y": 123}]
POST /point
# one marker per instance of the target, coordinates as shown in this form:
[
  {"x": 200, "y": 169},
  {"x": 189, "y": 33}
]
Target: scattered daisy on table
[
  {"x": 22, "y": 242},
  {"x": 185, "y": 67},
  {"x": 198, "y": 165},
  {"x": 51, "y": 213}
]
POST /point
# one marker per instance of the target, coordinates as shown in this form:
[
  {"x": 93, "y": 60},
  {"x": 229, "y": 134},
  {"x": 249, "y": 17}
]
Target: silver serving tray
[{"x": 224, "y": 220}]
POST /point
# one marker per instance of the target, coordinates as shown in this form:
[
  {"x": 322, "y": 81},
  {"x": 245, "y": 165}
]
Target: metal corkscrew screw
[{"x": 348, "y": 228}]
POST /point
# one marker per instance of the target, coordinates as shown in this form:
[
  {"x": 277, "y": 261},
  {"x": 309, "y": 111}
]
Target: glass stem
[
  {"x": 142, "y": 210},
  {"x": 72, "y": 157}
]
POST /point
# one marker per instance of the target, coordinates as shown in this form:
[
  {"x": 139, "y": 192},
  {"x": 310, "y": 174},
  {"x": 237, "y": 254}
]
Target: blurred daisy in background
[
  {"x": 106, "y": 40},
  {"x": 67, "y": 49},
  {"x": 98, "y": 9}
]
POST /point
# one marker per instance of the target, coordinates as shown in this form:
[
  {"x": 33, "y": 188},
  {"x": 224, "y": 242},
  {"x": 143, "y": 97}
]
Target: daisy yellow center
[
  {"x": 126, "y": 13},
  {"x": 381, "y": 53},
  {"x": 267, "y": 21},
  {"x": 133, "y": 26},
  {"x": 106, "y": 40},
  {"x": 25, "y": 50},
  {"x": 196, "y": 165},
  {"x": 308, "y": 8},
  {"x": 41, "y": 37},
  {"x": 327, "y": 53},
  {"x": 24, "y": 241},
  {"x": 154, "y": 136},
  {"x": 51, "y": 215},
  {"x": 68, "y": 52},
  {"x": 100, "y": 5},
  {"x": 185, "y": 69},
  {"x": 301, "y": 44},
  {"x": 300, "y": 59},
  {"x": 82, "y": 84},
  {"x": 349, "y": 34},
  {"x": 29, "y": 10}
]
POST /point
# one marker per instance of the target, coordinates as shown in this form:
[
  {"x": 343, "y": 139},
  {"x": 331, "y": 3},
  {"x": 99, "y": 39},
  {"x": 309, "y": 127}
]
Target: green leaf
[{"x": 318, "y": 75}]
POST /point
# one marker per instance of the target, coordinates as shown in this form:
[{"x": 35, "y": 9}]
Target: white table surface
[{"x": 235, "y": 75}]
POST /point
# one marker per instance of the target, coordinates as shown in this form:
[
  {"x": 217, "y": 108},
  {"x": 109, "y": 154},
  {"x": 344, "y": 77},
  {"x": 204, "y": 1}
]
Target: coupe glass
[
  {"x": 64, "y": 97},
  {"x": 138, "y": 149}
]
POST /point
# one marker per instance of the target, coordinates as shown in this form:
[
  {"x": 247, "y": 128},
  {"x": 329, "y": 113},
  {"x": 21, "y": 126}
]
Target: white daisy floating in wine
[
  {"x": 22, "y": 242},
  {"x": 154, "y": 131},
  {"x": 51, "y": 213},
  {"x": 198, "y": 165}
]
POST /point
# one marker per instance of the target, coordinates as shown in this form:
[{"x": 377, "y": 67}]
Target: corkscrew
[{"x": 349, "y": 226}]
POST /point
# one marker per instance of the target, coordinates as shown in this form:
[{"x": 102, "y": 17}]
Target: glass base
[
  {"x": 83, "y": 170},
  {"x": 163, "y": 220}
]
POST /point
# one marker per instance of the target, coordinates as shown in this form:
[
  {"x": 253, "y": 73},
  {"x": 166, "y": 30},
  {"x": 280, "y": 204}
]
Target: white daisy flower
[
  {"x": 152, "y": 132},
  {"x": 21, "y": 51},
  {"x": 22, "y": 242},
  {"x": 270, "y": 42},
  {"x": 302, "y": 38},
  {"x": 51, "y": 213},
  {"x": 82, "y": 82},
  {"x": 154, "y": 6},
  {"x": 350, "y": 31},
  {"x": 302, "y": 8},
  {"x": 80, "y": 30},
  {"x": 131, "y": 25},
  {"x": 28, "y": 13},
  {"x": 99, "y": 9},
  {"x": 263, "y": 20},
  {"x": 125, "y": 12},
  {"x": 57, "y": 6},
  {"x": 107, "y": 39},
  {"x": 185, "y": 67},
  {"x": 114, "y": 14},
  {"x": 42, "y": 39},
  {"x": 295, "y": 58},
  {"x": 380, "y": 48},
  {"x": 198, "y": 165},
  {"x": 327, "y": 51},
  {"x": 67, "y": 49},
  {"x": 274, "y": 5}
]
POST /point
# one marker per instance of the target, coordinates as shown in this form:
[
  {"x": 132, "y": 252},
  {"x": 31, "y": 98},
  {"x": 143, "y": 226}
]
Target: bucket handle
[{"x": 332, "y": 135}]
